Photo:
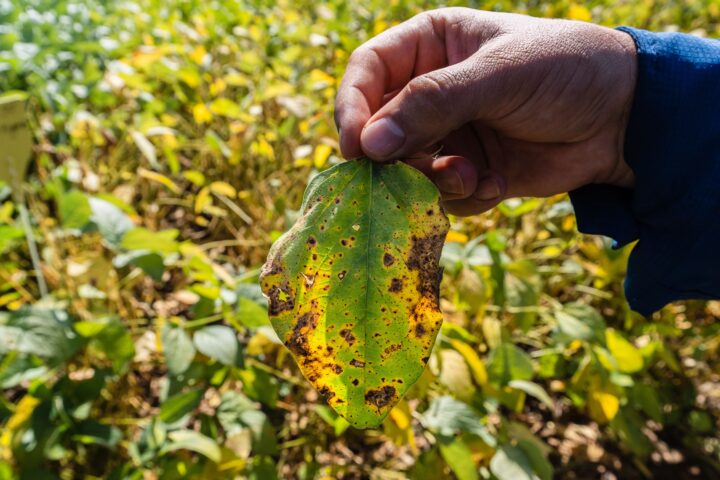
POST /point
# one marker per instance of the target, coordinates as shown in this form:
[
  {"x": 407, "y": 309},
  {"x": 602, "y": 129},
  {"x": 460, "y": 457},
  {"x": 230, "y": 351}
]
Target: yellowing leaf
[
  {"x": 322, "y": 152},
  {"x": 457, "y": 237},
  {"x": 353, "y": 286},
  {"x": 628, "y": 357},
  {"x": 477, "y": 367},
  {"x": 201, "y": 113},
  {"x": 602, "y": 405},
  {"x": 159, "y": 178},
  {"x": 223, "y": 188},
  {"x": 579, "y": 12}
]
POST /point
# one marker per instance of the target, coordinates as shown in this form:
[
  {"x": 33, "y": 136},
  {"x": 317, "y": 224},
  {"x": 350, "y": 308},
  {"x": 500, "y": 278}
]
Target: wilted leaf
[{"x": 353, "y": 286}]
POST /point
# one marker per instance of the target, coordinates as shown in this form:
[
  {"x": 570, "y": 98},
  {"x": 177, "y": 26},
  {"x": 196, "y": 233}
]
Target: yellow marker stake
[
  {"x": 15, "y": 141},
  {"x": 15, "y": 149}
]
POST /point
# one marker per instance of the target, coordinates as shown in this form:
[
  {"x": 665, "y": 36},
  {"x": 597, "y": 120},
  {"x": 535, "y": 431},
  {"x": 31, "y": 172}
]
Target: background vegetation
[{"x": 173, "y": 142}]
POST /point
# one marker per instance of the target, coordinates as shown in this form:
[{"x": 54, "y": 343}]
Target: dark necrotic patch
[
  {"x": 276, "y": 304},
  {"x": 419, "y": 330},
  {"x": 356, "y": 382},
  {"x": 381, "y": 396},
  {"x": 326, "y": 392},
  {"x": 311, "y": 241},
  {"x": 357, "y": 363},
  {"x": 341, "y": 275},
  {"x": 424, "y": 257},
  {"x": 337, "y": 369},
  {"x": 388, "y": 259},
  {"x": 348, "y": 336},
  {"x": 395, "y": 285},
  {"x": 298, "y": 341}
]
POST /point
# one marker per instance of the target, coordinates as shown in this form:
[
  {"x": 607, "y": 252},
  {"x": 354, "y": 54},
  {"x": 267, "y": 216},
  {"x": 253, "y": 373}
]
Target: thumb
[{"x": 428, "y": 108}]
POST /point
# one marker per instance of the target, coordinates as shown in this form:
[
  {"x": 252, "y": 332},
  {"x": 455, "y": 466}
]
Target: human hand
[{"x": 515, "y": 105}]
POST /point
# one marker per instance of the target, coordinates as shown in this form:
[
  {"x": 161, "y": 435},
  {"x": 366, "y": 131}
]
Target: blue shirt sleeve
[{"x": 673, "y": 146}]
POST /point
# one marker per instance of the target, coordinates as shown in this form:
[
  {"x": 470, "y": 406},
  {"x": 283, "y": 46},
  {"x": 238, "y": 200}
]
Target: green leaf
[
  {"x": 580, "y": 322},
  {"x": 534, "y": 390},
  {"x": 162, "y": 242},
  {"x": 459, "y": 458},
  {"x": 177, "y": 406},
  {"x": 507, "y": 362},
  {"x": 353, "y": 286},
  {"x": 193, "y": 441},
  {"x": 110, "y": 221},
  {"x": 91, "y": 432},
  {"x": 447, "y": 416},
  {"x": 178, "y": 348},
  {"x": 511, "y": 463},
  {"x": 8, "y": 234},
  {"x": 36, "y": 331},
  {"x": 74, "y": 209},
  {"x": 218, "y": 342},
  {"x": 628, "y": 357}
]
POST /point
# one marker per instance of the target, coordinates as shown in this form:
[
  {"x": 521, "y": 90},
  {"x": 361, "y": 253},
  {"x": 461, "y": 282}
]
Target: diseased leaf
[{"x": 353, "y": 286}]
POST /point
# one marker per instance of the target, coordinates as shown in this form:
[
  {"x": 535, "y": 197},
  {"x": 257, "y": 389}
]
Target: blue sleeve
[{"x": 673, "y": 146}]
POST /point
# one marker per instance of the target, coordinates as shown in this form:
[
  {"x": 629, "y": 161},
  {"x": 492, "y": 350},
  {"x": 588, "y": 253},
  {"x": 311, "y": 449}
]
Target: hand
[{"x": 516, "y": 106}]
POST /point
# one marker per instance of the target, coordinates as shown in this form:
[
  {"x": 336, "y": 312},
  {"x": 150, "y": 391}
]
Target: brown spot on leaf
[
  {"x": 356, "y": 382},
  {"x": 311, "y": 241},
  {"x": 337, "y": 369},
  {"x": 326, "y": 392},
  {"x": 424, "y": 257},
  {"x": 393, "y": 348},
  {"x": 357, "y": 363},
  {"x": 381, "y": 396},
  {"x": 388, "y": 259},
  {"x": 348, "y": 336},
  {"x": 298, "y": 341},
  {"x": 419, "y": 330},
  {"x": 395, "y": 285},
  {"x": 341, "y": 275},
  {"x": 278, "y": 304}
]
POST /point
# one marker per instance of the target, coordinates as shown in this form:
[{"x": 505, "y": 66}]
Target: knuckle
[{"x": 434, "y": 90}]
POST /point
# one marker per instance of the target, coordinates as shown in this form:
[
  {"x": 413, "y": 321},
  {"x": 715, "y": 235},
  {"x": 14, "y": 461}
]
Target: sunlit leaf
[
  {"x": 75, "y": 209},
  {"x": 353, "y": 286},
  {"x": 625, "y": 353}
]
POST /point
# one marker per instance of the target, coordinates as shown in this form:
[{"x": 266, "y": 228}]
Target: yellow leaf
[
  {"x": 579, "y": 12},
  {"x": 201, "y": 113},
  {"x": 602, "y": 405},
  {"x": 23, "y": 411},
  {"x": 217, "y": 87},
  {"x": 202, "y": 199},
  {"x": 15, "y": 140},
  {"x": 159, "y": 178},
  {"x": 198, "y": 54},
  {"x": 320, "y": 79},
  {"x": 457, "y": 237},
  {"x": 477, "y": 367},
  {"x": 628, "y": 357},
  {"x": 223, "y": 188},
  {"x": 322, "y": 152}
]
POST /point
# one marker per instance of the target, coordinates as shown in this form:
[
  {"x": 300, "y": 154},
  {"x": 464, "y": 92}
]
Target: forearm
[{"x": 672, "y": 145}]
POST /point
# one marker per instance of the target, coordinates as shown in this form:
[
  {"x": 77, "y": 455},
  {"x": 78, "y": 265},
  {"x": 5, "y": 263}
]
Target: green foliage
[{"x": 173, "y": 141}]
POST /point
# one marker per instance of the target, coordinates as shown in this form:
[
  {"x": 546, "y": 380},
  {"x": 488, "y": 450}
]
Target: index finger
[{"x": 382, "y": 65}]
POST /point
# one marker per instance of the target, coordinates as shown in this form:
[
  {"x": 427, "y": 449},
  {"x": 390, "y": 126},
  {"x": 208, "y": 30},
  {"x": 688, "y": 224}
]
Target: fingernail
[
  {"x": 382, "y": 138},
  {"x": 487, "y": 189},
  {"x": 448, "y": 181}
]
